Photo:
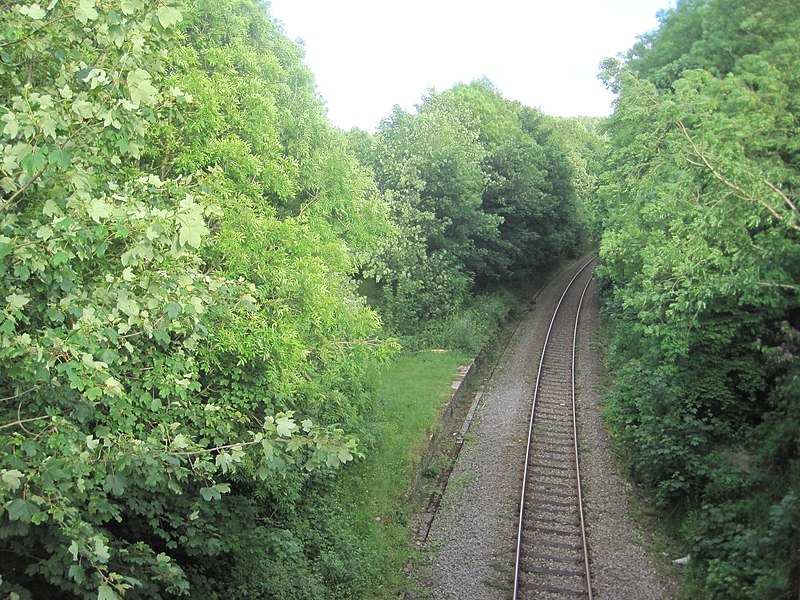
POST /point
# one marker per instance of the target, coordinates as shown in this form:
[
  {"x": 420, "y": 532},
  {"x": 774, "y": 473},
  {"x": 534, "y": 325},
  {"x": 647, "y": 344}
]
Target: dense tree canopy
[
  {"x": 481, "y": 190},
  {"x": 179, "y": 228},
  {"x": 701, "y": 261}
]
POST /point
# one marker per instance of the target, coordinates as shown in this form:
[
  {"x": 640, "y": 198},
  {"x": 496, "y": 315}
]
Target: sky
[{"x": 369, "y": 55}]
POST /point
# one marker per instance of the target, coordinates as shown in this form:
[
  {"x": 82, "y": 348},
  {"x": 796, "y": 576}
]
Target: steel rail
[
  {"x": 530, "y": 434},
  {"x": 584, "y": 545}
]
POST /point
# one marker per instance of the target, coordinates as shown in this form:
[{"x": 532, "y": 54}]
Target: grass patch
[{"x": 412, "y": 391}]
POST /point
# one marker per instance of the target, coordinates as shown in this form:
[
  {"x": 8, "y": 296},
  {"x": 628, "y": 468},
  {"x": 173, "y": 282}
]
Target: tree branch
[
  {"x": 215, "y": 449},
  {"x": 737, "y": 189},
  {"x": 20, "y": 422}
]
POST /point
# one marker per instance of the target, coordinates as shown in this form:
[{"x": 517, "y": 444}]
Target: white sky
[{"x": 368, "y": 55}]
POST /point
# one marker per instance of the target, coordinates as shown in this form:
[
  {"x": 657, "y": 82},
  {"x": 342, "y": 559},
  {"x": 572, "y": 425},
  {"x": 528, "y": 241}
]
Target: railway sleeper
[
  {"x": 557, "y": 467},
  {"x": 531, "y": 505},
  {"x": 554, "y": 571},
  {"x": 538, "y": 529},
  {"x": 553, "y": 429},
  {"x": 553, "y": 517},
  {"x": 573, "y": 582},
  {"x": 546, "y": 482},
  {"x": 552, "y": 592},
  {"x": 559, "y": 558},
  {"x": 553, "y": 451},
  {"x": 559, "y": 494}
]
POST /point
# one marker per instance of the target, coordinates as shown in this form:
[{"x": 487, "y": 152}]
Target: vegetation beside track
[
  {"x": 700, "y": 264},
  {"x": 412, "y": 391}
]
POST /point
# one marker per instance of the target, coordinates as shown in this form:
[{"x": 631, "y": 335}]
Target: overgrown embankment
[{"x": 700, "y": 262}]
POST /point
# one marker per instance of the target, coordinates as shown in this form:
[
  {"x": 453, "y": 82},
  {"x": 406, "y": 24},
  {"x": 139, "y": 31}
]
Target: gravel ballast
[{"x": 473, "y": 535}]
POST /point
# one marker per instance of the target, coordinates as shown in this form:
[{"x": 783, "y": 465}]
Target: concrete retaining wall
[{"x": 459, "y": 385}]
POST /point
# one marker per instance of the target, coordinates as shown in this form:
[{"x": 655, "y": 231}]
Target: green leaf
[
  {"x": 101, "y": 550},
  {"x": 44, "y": 233},
  {"x": 84, "y": 109},
  {"x": 74, "y": 549},
  {"x": 162, "y": 337},
  {"x": 34, "y": 11},
  {"x": 11, "y": 478},
  {"x": 128, "y": 305},
  {"x": 285, "y": 426},
  {"x": 59, "y": 158},
  {"x": 105, "y": 592},
  {"x": 86, "y": 11},
  {"x": 77, "y": 573},
  {"x": 20, "y": 510},
  {"x": 61, "y": 258},
  {"x": 34, "y": 162},
  {"x": 129, "y": 7},
  {"x": 224, "y": 461},
  {"x": 99, "y": 209},
  {"x": 114, "y": 484},
  {"x": 210, "y": 493},
  {"x": 168, "y": 16},
  {"x": 269, "y": 449},
  {"x": 17, "y": 300},
  {"x": 173, "y": 309},
  {"x": 40, "y": 517},
  {"x": 48, "y": 126},
  {"x": 141, "y": 88},
  {"x": 12, "y": 125}
]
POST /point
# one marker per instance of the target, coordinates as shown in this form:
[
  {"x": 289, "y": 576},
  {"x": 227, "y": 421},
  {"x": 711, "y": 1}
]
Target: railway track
[{"x": 552, "y": 561}]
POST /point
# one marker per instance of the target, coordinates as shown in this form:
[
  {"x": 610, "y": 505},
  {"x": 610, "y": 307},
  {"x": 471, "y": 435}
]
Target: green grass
[{"x": 412, "y": 391}]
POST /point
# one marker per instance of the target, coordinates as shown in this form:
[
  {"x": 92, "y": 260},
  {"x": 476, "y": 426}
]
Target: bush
[{"x": 466, "y": 330}]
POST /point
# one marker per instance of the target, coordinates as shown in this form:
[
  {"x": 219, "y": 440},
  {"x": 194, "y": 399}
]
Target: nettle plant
[{"x": 106, "y": 411}]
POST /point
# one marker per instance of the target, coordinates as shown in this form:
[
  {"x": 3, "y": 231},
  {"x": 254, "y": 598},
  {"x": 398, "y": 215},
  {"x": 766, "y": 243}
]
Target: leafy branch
[{"x": 738, "y": 190}]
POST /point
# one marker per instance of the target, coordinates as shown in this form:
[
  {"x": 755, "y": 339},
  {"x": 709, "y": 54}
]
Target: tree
[
  {"x": 177, "y": 301},
  {"x": 699, "y": 258},
  {"x": 482, "y": 192}
]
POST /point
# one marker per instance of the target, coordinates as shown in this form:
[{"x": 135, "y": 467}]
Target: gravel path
[{"x": 473, "y": 535}]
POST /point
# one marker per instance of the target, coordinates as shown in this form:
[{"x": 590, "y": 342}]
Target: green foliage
[
  {"x": 184, "y": 357},
  {"x": 700, "y": 265},
  {"x": 466, "y": 330},
  {"x": 429, "y": 166},
  {"x": 481, "y": 190},
  {"x": 584, "y": 146},
  {"x": 373, "y": 492},
  {"x": 529, "y": 184},
  {"x": 180, "y": 343}
]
